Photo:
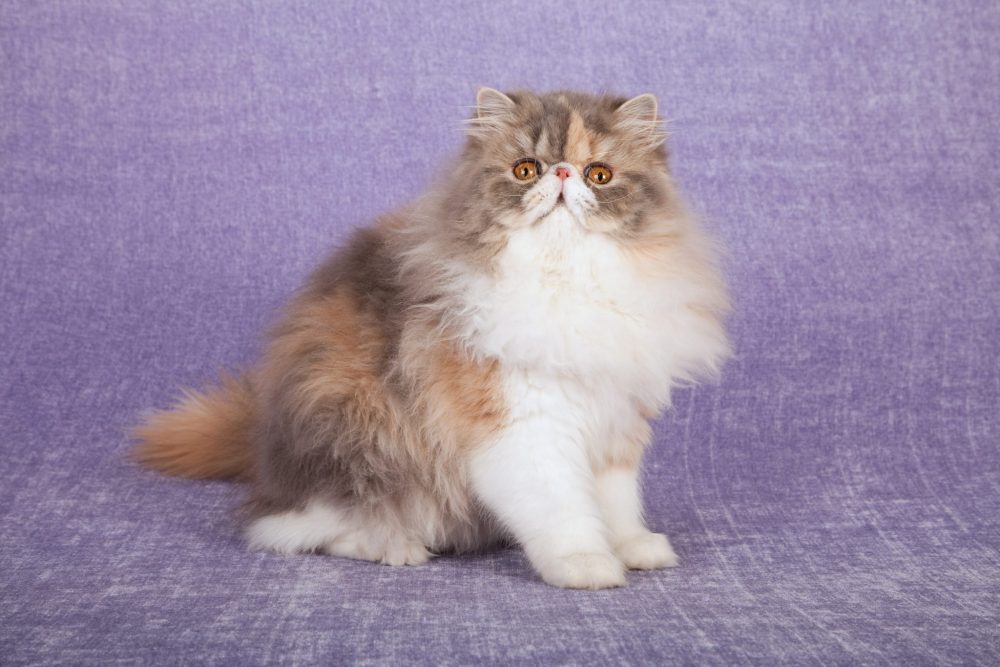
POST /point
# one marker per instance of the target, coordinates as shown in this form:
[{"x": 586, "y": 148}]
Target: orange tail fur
[{"x": 207, "y": 435}]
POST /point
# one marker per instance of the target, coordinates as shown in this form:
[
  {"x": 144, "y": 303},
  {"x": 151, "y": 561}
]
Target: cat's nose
[{"x": 562, "y": 173}]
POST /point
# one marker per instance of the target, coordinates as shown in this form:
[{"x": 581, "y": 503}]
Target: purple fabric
[{"x": 169, "y": 172}]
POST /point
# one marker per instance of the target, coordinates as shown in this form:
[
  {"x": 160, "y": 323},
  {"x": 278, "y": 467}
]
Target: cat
[{"x": 481, "y": 366}]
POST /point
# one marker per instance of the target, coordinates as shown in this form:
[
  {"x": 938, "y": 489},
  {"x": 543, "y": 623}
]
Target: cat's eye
[
  {"x": 526, "y": 169},
  {"x": 598, "y": 173}
]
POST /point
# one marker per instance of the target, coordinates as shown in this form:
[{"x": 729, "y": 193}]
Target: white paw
[
  {"x": 648, "y": 551},
  {"x": 405, "y": 553},
  {"x": 584, "y": 570},
  {"x": 362, "y": 546}
]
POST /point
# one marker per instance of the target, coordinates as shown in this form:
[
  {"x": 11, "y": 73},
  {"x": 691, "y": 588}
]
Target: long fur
[
  {"x": 205, "y": 436},
  {"x": 481, "y": 365}
]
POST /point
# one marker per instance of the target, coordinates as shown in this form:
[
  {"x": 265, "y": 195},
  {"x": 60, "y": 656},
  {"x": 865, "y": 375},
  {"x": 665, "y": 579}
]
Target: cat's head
[{"x": 600, "y": 157}]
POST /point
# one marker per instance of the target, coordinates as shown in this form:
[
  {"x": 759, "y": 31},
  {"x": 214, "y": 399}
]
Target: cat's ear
[
  {"x": 638, "y": 117},
  {"x": 491, "y": 102},
  {"x": 493, "y": 109},
  {"x": 641, "y": 108}
]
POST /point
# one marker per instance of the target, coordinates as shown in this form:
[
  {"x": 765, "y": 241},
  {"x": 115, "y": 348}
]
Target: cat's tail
[{"x": 207, "y": 435}]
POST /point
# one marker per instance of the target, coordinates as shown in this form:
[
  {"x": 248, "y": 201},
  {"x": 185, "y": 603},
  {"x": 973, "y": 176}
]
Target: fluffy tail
[{"x": 205, "y": 436}]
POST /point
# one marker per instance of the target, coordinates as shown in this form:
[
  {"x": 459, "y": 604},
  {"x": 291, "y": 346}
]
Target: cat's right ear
[
  {"x": 493, "y": 108},
  {"x": 491, "y": 102}
]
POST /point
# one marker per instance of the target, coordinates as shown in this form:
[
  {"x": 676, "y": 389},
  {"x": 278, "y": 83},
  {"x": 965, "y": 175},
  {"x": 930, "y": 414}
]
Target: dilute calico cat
[{"x": 481, "y": 366}]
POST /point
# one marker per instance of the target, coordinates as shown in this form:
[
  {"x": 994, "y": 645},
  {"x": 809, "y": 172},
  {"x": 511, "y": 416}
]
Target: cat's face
[{"x": 600, "y": 158}]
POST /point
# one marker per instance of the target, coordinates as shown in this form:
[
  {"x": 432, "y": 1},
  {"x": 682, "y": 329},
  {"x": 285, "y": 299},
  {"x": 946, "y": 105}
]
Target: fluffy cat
[{"x": 480, "y": 366}]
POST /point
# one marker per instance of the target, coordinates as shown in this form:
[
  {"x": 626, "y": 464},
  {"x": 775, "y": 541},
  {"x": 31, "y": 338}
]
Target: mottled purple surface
[{"x": 169, "y": 171}]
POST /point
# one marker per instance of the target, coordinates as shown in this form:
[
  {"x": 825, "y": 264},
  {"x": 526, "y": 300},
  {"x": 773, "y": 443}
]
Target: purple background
[{"x": 169, "y": 172}]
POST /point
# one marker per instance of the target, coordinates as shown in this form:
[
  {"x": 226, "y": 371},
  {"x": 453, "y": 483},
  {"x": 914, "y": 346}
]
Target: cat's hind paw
[
  {"x": 395, "y": 551},
  {"x": 405, "y": 552}
]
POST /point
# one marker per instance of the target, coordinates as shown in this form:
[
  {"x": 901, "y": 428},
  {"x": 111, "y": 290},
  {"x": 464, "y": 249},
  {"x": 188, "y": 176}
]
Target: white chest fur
[
  {"x": 568, "y": 302},
  {"x": 586, "y": 335}
]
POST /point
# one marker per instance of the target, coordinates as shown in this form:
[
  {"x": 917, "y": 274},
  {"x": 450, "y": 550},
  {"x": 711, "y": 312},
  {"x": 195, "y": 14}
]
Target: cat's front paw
[
  {"x": 584, "y": 570},
  {"x": 647, "y": 551}
]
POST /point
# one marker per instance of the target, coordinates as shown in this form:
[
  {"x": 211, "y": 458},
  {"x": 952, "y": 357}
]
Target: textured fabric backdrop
[{"x": 170, "y": 170}]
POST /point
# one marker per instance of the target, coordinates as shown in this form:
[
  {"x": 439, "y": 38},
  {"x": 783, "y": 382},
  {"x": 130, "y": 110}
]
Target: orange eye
[
  {"x": 526, "y": 169},
  {"x": 598, "y": 173}
]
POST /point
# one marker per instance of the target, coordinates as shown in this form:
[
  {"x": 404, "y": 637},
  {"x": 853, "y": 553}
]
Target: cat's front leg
[
  {"x": 536, "y": 479},
  {"x": 621, "y": 503}
]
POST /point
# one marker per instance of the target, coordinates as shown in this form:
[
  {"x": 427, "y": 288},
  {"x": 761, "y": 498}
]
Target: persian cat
[{"x": 481, "y": 366}]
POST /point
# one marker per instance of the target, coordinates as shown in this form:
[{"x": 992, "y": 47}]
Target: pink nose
[{"x": 562, "y": 173}]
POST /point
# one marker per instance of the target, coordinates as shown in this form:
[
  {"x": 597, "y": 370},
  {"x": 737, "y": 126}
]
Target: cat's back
[
  {"x": 337, "y": 336},
  {"x": 365, "y": 269}
]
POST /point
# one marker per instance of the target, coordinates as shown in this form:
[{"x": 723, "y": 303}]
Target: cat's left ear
[
  {"x": 638, "y": 117},
  {"x": 493, "y": 109}
]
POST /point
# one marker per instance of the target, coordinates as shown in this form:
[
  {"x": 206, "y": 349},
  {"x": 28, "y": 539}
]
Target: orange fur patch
[
  {"x": 462, "y": 395},
  {"x": 337, "y": 347},
  {"x": 578, "y": 141},
  {"x": 206, "y": 436},
  {"x": 419, "y": 410},
  {"x": 457, "y": 405}
]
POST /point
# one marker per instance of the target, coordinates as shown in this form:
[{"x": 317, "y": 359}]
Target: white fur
[
  {"x": 585, "y": 339},
  {"x": 537, "y": 479},
  {"x": 621, "y": 502},
  {"x": 569, "y": 301},
  {"x": 320, "y": 526},
  {"x": 298, "y": 530}
]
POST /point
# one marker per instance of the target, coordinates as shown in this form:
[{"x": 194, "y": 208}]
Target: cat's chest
[{"x": 564, "y": 300}]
